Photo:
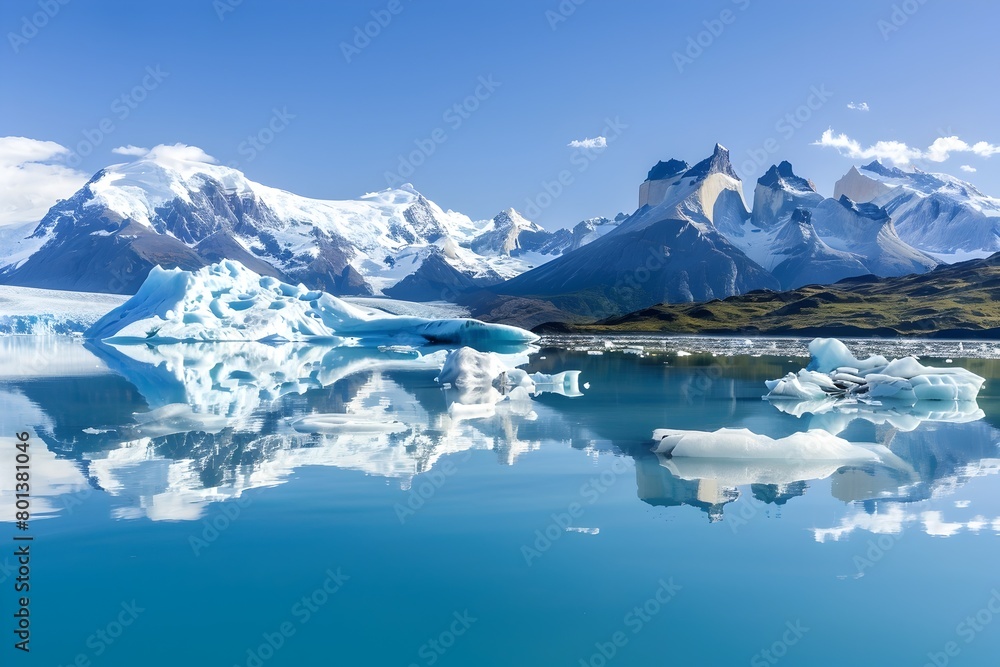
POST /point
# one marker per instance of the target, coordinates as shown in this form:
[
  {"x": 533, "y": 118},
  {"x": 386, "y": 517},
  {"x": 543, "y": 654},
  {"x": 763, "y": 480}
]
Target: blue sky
[{"x": 555, "y": 73}]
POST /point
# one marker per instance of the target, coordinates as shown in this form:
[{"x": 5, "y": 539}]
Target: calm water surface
[{"x": 182, "y": 499}]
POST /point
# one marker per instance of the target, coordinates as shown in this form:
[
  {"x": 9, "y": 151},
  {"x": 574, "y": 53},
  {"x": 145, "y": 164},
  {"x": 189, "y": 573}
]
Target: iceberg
[
  {"x": 488, "y": 378},
  {"x": 835, "y": 373},
  {"x": 229, "y": 302},
  {"x": 741, "y": 443}
]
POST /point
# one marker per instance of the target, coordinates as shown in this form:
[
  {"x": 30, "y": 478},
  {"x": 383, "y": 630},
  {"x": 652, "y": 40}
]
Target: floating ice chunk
[
  {"x": 581, "y": 529},
  {"x": 741, "y": 443},
  {"x": 466, "y": 367},
  {"x": 834, "y": 372},
  {"x": 829, "y": 354},
  {"x": 683, "y": 353},
  {"x": 485, "y": 378},
  {"x": 803, "y": 386},
  {"x": 228, "y": 302}
]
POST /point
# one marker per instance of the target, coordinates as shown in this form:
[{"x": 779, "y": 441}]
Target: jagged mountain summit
[
  {"x": 935, "y": 213},
  {"x": 176, "y": 208},
  {"x": 670, "y": 249}
]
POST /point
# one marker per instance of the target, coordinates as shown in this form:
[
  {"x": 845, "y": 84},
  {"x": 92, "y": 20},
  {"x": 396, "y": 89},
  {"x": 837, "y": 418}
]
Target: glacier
[
  {"x": 40, "y": 312},
  {"x": 228, "y": 302}
]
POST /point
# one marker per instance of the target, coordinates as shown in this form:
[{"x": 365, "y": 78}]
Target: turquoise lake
[{"x": 181, "y": 515}]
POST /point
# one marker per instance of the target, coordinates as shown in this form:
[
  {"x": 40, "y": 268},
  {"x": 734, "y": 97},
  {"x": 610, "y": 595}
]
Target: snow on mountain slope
[
  {"x": 800, "y": 257},
  {"x": 228, "y": 302},
  {"x": 777, "y": 195},
  {"x": 867, "y": 231},
  {"x": 175, "y": 207},
  {"x": 936, "y": 213},
  {"x": 591, "y": 229}
]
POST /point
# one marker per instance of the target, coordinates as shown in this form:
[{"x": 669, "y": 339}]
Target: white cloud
[
  {"x": 968, "y": 168},
  {"x": 179, "y": 153},
  {"x": 900, "y": 153},
  {"x": 32, "y": 178},
  {"x": 137, "y": 151},
  {"x": 596, "y": 142},
  {"x": 858, "y": 106}
]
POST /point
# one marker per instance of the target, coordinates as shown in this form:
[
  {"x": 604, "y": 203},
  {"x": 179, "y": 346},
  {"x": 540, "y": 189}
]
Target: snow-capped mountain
[
  {"x": 509, "y": 234},
  {"x": 670, "y": 249},
  {"x": 936, "y": 213},
  {"x": 866, "y": 231},
  {"x": 788, "y": 229},
  {"x": 778, "y": 194},
  {"x": 800, "y": 257},
  {"x": 176, "y": 208}
]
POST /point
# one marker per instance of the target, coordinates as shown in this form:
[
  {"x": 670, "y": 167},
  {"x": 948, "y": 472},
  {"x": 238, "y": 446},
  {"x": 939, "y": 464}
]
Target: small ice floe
[
  {"x": 634, "y": 349},
  {"x": 586, "y": 385},
  {"x": 484, "y": 379},
  {"x": 585, "y": 531},
  {"x": 96, "y": 431},
  {"x": 683, "y": 353},
  {"x": 835, "y": 373},
  {"x": 595, "y": 353}
]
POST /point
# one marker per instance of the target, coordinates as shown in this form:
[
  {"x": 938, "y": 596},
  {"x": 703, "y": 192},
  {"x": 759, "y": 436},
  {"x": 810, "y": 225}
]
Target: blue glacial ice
[
  {"x": 228, "y": 302},
  {"x": 834, "y": 373}
]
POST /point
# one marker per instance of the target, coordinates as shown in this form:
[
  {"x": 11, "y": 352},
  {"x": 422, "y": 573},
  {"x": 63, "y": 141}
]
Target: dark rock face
[
  {"x": 664, "y": 170},
  {"x": 668, "y": 261},
  {"x": 781, "y": 175},
  {"x": 437, "y": 280}
]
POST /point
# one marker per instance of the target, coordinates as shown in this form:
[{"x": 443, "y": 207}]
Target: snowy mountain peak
[
  {"x": 876, "y": 167},
  {"x": 666, "y": 170},
  {"x": 503, "y": 235},
  {"x": 865, "y": 210},
  {"x": 778, "y": 194},
  {"x": 671, "y": 183},
  {"x": 782, "y": 176},
  {"x": 718, "y": 163}
]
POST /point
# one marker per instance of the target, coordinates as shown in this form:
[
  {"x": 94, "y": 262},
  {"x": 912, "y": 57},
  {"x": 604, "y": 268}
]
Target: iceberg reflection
[{"x": 215, "y": 420}]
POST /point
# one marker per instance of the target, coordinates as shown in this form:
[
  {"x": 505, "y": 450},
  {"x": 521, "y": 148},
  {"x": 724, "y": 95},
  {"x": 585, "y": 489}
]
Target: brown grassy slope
[{"x": 960, "y": 300}]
